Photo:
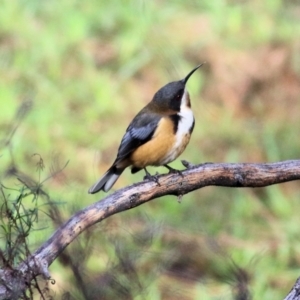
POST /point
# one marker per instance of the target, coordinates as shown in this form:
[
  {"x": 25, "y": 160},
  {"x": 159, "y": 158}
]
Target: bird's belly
[
  {"x": 180, "y": 145},
  {"x": 165, "y": 146}
]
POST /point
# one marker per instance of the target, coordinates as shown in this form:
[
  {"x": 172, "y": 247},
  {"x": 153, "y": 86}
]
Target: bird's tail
[{"x": 106, "y": 182}]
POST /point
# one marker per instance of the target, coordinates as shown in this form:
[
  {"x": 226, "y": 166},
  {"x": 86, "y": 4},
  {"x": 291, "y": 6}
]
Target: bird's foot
[
  {"x": 151, "y": 177},
  {"x": 172, "y": 170}
]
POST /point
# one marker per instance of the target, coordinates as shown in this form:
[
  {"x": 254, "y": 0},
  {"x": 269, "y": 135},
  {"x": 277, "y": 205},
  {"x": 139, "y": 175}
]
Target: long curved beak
[{"x": 191, "y": 73}]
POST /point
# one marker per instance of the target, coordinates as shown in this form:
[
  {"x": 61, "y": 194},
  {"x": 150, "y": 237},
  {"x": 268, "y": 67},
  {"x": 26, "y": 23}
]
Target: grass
[{"x": 73, "y": 74}]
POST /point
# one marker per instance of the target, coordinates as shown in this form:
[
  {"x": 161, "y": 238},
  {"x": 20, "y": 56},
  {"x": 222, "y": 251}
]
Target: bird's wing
[{"x": 138, "y": 133}]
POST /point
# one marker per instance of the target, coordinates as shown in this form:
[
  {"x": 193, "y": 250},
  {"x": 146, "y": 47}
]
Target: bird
[{"x": 156, "y": 136}]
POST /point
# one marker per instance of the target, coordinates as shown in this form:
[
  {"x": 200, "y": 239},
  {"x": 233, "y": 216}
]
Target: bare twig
[
  {"x": 294, "y": 294},
  {"x": 196, "y": 177}
]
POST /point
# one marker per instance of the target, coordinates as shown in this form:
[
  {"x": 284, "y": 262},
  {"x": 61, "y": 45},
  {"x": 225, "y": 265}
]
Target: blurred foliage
[{"x": 74, "y": 73}]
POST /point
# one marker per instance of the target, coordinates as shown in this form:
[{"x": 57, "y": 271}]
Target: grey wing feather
[{"x": 138, "y": 133}]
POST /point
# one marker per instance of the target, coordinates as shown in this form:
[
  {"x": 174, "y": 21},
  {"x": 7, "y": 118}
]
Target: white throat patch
[
  {"x": 183, "y": 130},
  {"x": 186, "y": 117}
]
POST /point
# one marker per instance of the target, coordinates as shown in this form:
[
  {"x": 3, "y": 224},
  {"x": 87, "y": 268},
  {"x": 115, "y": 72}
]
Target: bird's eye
[{"x": 179, "y": 95}]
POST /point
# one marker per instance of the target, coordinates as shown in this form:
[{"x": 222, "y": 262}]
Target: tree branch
[
  {"x": 12, "y": 283},
  {"x": 294, "y": 294}
]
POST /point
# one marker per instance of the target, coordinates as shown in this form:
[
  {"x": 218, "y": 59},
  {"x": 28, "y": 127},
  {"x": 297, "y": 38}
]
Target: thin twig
[{"x": 196, "y": 177}]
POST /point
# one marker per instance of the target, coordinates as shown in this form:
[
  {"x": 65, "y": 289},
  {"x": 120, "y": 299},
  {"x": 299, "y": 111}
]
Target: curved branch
[
  {"x": 195, "y": 177},
  {"x": 294, "y": 294}
]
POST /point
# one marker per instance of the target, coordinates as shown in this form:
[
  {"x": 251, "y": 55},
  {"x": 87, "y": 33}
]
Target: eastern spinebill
[{"x": 157, "y": 135}]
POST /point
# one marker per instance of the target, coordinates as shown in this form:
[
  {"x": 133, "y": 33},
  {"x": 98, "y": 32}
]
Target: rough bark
[
  {"x": 294, "y": 294},
  {"x": 13, "y": 283}
]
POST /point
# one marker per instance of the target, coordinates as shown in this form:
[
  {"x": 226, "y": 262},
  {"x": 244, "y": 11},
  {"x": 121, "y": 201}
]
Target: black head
[{"x": 170, "y": 95}]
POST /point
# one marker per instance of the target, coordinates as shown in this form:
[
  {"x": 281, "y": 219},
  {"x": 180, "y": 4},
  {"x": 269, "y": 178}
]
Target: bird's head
[{"x": 174, "y": 94}]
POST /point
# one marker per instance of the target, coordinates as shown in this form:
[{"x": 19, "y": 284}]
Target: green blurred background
[{"x": 73, "y": 75}]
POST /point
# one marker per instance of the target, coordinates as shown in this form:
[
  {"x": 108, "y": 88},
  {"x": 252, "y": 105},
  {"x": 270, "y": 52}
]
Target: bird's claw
[
  {"x": 152, "y": 178},
  {"x": 172, "y": 170}
]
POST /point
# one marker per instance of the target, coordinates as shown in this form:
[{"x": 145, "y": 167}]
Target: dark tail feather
[{"x": 106, "y": 182}]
